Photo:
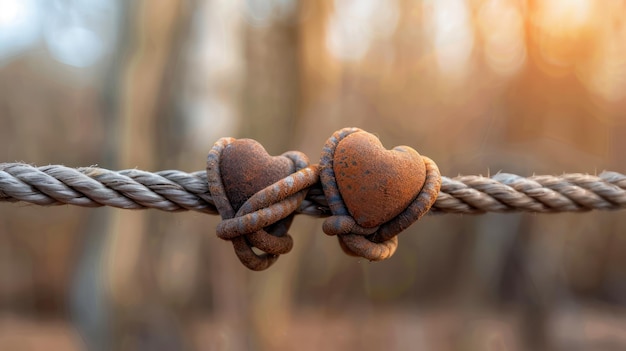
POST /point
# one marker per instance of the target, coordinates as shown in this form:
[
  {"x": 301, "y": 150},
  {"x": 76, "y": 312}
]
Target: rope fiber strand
[{"x": 173, "y": 191}]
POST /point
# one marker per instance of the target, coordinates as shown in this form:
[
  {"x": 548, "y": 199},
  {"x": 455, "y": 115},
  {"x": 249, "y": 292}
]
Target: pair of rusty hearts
[{"x": 373, "y": 193}]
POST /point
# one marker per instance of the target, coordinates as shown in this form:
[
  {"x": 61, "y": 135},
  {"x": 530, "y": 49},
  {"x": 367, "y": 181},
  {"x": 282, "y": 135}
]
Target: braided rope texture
[{"x": 174, "y": 191}]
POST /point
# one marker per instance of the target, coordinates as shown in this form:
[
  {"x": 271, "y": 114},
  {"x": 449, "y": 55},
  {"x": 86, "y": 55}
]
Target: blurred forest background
[{"x": 480, "y": 86}]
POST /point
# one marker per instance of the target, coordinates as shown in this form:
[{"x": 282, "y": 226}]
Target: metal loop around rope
[{"x": 258, "y": 215}]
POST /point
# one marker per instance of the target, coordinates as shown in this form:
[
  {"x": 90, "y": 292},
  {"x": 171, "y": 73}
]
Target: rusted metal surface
[
  {"x": 376, "y": 184},
  {"x": 257, "y": 196},
  {"x": 374, "y": 193}
]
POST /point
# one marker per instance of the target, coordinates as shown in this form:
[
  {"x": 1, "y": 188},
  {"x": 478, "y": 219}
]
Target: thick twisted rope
[{"x": 174, "y": 191}]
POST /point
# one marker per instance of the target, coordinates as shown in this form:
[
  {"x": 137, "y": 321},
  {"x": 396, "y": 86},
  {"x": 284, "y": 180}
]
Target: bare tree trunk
[
  {"x": 152, "y": 32},
  {"x": 271, "y": 112},
  {"x": 272, "y": 81},
  {"x": 320, "y": 77},
  {"x": 211, "y": 105}
]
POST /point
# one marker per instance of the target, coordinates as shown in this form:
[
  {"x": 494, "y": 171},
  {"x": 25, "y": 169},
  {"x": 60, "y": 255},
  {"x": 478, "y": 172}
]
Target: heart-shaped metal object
[
  {"x": 257, "y": 195},
  {"x": 246, "y": 168},
  {"x": 376, "y": 184},
  {"x": 374, "y": 193}
]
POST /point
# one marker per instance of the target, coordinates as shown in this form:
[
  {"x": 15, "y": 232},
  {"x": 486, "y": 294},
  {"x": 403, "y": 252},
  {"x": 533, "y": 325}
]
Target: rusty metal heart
[
  {"x": 376, "y": 184},
  {"x": 257, "y": 196},
  {"x": 246, "y": 168}
]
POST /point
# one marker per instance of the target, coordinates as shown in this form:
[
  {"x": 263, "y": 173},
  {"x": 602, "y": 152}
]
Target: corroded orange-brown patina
[
  {"x": 376, "y": 184},
  {"x": 246, "y": 168},
  {"x": 237, "y": 170}
]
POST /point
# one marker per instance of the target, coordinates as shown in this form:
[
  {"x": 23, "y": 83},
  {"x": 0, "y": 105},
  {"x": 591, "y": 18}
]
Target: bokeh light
[
  {"x": 76, "y": 33},
  {"x": 562, "y": 33},
  {"x": 260, "y": 13},
  {"x": 605, "y": 71},
  {"x": 19, "y": 26},
  {"x": 564, "y": 17},
  {"x": 502, "y": 27},
  {"x": 453, "y": 36},
  {"x": 354, "y": 24},
  {"x": 75, "y": 45}
]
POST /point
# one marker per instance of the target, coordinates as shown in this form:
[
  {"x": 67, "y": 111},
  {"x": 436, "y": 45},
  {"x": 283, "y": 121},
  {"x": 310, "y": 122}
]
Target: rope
[
  {"x": 369, "y": 194},
  {"x": 174, "y": 191}
]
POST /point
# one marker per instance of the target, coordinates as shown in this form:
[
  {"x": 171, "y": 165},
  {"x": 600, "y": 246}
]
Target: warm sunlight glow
[
  {"x": 356, "y": 23},
  {"x": 502, "y": 28},
  {"x": 453, "y": 36},
  {"x": 605, "y": 75},
  {"x": 564, "y": 15},
  {"x": 563, "y": 33}
]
